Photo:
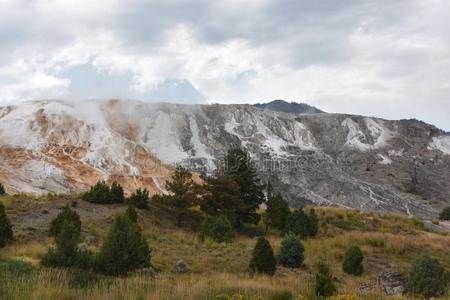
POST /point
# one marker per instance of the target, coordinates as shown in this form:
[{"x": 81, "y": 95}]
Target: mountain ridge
[{"x": 322, "y": 159}]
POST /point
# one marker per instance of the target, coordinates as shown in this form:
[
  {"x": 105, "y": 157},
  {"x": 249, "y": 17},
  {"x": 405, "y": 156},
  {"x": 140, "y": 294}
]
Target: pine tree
[
  {"x": 125, "y": 248},
  {"x": 116, "y": 193},
  {"x": 2, "y": 189},
  {"x": 6, "y": 233},
  {"x": 238, "y": 166},
  {"x": 277, "y": 211},
  {"x": 220, "y": 196},
  {"x": 353, "y": 259},
  {"x": 298, "y": 223},
  {"x": 68, "y": 215},
  {"x": 182, "y": 193},
  {"x": 313, "y": 223},
  {"x": 263, "y": 260},
  {"x": 99, "y": 193},
  {"x": 131, "y": 214},
  {"x": 139, "y": 199},
  {"x": 291, "y": 252},
  {"x": 428, "y": 278},
  {"x": 324, "y": 285}
]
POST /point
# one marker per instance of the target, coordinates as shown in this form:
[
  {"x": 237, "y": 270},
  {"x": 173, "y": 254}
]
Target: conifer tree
[
  {"x": 298, "y": 223},
  {"x": 291, "y": 252},
  {"x": 182, "y": 193},
  {"x": 324, "y": 285},
  {"x": 263, "y": 260},
  {"x": 353, "y": 259},
  {"x": 116, "y": 193},
  {"x": 6, "y": 233},
  {"x": 125, "y": 248},
  {"x": 68, "y": 215},
  {"x": 220, "y": 196},
  {"x": 237, "y": 163},
  {"x": 139, "y": 198},
  {"x": 277, "y": 212},
  {"x": 428, "y": 278},
  {"x": 131, "y": 214}
]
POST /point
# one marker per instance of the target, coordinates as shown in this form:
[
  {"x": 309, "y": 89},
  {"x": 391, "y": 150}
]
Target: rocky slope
[{"x": 320, "y": 158}]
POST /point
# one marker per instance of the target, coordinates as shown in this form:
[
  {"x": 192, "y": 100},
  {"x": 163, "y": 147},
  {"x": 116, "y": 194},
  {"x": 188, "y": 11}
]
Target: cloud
[{"x": 374, "y": 57}]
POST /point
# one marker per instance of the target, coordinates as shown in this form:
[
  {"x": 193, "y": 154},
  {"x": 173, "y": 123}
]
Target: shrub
[
  {"x": 298, "y": 224},
  {"x": 99, "y": 193},
  {"x": 291, "y": 252},
  {"x": 139, "y": 199},
  {"x": 65, "y": 215},
  {"x": 125, "y": 248},
  {"x": 67, "y": 253},
  {"x": 131, "y": 214},
  {"x": 263, "y": 261},
  {"x": 445, "y": 214},
  {"x": 218, "y": 228},
  {"x": 428, "y": 278},
  {"x": 116, "y": 193},
  {"x": 6, "y": 233},
  {"x": 324, "y": 285},
  {"x": 2, "y": 189},
  {"x": 353, "y": 259}
]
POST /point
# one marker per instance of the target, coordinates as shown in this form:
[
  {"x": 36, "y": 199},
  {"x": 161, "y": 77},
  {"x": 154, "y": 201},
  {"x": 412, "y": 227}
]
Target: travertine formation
[{"x": 317, "y": 158}]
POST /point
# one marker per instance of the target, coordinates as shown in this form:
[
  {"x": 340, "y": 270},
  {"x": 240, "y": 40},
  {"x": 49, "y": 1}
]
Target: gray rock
[
  {"x": 181, "y": 267},
  {"x": 390, "y": 283}
]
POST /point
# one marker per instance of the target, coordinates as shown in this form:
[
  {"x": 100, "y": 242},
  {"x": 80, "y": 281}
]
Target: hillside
[
  {"x": 321, "y": 159},
  {"x": 390, "y": 243}
]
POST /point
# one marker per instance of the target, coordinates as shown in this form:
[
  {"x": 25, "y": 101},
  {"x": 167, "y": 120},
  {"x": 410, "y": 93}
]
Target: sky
[{"x": 385, "y": 58}]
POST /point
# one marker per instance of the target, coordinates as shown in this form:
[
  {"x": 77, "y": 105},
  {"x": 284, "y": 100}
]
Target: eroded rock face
[
  {"x": 324, "y": 159},
  {"x": 389, "y": 283}
]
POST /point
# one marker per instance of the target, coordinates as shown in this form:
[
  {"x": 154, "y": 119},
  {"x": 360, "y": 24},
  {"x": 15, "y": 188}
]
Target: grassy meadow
[{"x": 217, "y": 271}]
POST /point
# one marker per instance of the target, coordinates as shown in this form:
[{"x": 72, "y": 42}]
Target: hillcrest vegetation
[{"x": 225, "y": 236}]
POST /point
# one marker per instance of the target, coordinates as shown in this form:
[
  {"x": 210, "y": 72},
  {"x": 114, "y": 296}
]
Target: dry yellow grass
[{"x": 389, "y": 242}]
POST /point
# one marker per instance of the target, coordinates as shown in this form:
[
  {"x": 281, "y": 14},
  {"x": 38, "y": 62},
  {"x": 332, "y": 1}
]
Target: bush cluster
[
  {"x": 103, "y": 194},
  {"x": 302, "y": 224},
  {"x": 217, "y": 228},
  {"x": 139, "y": 199},
  {"x": 125, "y": 248},
  {"x": 324, "y": 283},
  {"x": 67, "y": 252}
]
